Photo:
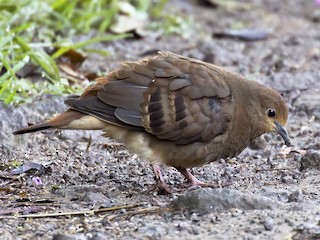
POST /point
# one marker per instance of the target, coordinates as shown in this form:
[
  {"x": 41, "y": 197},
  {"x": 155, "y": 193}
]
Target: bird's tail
[{"x": 60, "y": 121}]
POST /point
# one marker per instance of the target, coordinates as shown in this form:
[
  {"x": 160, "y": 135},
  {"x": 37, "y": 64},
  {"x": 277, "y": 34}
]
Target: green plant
[{"x": 34, "y": 34}]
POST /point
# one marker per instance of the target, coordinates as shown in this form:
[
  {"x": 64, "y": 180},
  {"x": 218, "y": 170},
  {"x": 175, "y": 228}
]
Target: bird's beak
[{"x": 283, "y": 133}]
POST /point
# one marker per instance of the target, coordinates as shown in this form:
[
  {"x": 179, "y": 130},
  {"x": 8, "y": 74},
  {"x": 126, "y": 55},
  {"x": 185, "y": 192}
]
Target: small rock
[
  {"x": 207, "y": 200},
  {"x": 310, "y": 160},
  {"x": 303, "y": 207},
  {"x": 98, "y": 236},
  {"x": 289, "y": 221},
  {"x": 97, "y": 198},
  {"x": 195, "y": 230},
  {"x": 123, "y": 188},
  {"x": 152, "y": 231},
  {"x": 194, "y": 217},
  {"x": 61, "y": 236},
  {"x": 182, "y": 226},
  {"x": 250, "y": 238},
  {"x": 214, "y": 219},
  {"x": 105, "y": 222},
  {"x": 229, "y": 171},
  {"x": 268, "y": 224},
  {"x": 296, "y": 196},
  {"x": 297, "y": 157},
  {"x": 257, "y": 230},
  {"x": 308, "y": 101},
  {"x": 287, "y": 179},
  {"x": 307, "y": 230},
  {"x": 293, "y": 41}
]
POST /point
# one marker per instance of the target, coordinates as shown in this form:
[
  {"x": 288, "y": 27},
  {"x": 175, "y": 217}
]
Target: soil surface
[{"x": 270, "y": 191}]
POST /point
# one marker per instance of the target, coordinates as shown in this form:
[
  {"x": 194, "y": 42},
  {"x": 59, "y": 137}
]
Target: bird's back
[{"x": 167, "y": 96}]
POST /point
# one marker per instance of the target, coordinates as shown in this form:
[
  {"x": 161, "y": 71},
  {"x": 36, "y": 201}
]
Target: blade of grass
[
  {"x": 5, "y": 42},
  {"x": 12, "y": 71},
  {"x": 98, "y": 51},
  {"x": 12, "y": 93},
  {"x": 82, "y": 44},
  {"x": 47, "y": 64},
  {"x": 41, "y": 58},
  {"x": 22, "y": 43},
  {"x": 108, "y": 16}
]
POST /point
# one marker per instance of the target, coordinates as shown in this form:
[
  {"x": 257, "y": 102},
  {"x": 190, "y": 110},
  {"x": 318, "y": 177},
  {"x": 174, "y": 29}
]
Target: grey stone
[
  {"x": 152, "y": 231},
  {"x": 268, "y": 224},
  {"x": 207, "y": 200},
  {"x": 60, "y": 236},
  {"x": 97, "y": 198},
  {"x": 296, "y": 196},
  {"x": 287, "y": 179},
  {"x": 304, "y": 207},
  {"x": 310, "y": 160},
  {"x": 308, "y": 101}
]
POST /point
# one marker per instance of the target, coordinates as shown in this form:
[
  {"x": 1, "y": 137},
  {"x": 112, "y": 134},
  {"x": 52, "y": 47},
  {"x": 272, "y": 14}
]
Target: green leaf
[
  {"x": 82, "y": 44},
  {"x": 23, "y": 44},
  {"x": 29, "y": 27},
  {"x": 41, "y": 58},
  {"x": 46, "y": 63},
  {"x": 12, "y": 71}
]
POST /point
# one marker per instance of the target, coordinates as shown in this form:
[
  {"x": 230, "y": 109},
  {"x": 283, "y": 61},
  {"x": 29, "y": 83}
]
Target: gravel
[{"x": 269, "y": 191}]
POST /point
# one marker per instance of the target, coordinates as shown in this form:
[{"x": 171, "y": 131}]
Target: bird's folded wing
[{"x": 171, "y": 97}]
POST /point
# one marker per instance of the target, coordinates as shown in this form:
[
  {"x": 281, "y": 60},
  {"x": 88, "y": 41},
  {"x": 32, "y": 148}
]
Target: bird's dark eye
[{"x": 271, "y": 112}]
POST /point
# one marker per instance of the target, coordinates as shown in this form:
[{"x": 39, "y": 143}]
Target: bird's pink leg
[
  {"x": 194, "y": 182},
  {"x": 161, "y": 184}
]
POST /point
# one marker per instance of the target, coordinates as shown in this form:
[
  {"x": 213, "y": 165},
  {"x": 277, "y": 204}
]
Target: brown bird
[{"x": 175, "y": 110}]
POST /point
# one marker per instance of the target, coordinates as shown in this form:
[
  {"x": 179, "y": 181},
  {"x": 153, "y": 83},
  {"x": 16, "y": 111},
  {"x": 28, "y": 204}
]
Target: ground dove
[{"x": 175, "y": 110}]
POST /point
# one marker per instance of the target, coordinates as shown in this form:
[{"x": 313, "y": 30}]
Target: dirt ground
[{"x": 76, "y": 179}]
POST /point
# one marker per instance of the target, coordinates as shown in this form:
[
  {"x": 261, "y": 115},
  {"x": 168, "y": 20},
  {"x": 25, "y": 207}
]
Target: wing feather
[{"x": 171, "y": 97}]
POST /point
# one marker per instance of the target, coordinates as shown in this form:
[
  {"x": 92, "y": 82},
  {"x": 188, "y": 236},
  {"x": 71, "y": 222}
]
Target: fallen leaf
[
  {"x": 243, "y": 34},
  {"x": 30, "y": 166}
]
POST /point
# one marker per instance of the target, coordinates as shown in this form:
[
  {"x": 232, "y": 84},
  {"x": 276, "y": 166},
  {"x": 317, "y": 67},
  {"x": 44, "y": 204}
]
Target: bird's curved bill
[{"x": 283, "y": 133}]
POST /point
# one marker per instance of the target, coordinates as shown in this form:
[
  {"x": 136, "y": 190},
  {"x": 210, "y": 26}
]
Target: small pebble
[
  {"x": 296, "y": 196},
  {"x": 268, "y": 224},
  {"x": 289, "y": 221},
  {"x": 60, "y": 236},
  {"x": 287, "y": 179},
  {"x": 194, "y": 217}
]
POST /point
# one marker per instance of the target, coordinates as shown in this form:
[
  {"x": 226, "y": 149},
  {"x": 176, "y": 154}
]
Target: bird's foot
[
  {"x": 195, "y": 183},
  {"x": 161, "y": 186}
]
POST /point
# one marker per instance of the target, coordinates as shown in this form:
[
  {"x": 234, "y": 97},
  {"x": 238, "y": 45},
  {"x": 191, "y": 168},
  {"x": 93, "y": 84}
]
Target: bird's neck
[
  {"x": 245, "y": 125},
  {"x": 250, "y": 109}
]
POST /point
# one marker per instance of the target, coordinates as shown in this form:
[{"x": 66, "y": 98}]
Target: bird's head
[{"x": 273, "y": 113}]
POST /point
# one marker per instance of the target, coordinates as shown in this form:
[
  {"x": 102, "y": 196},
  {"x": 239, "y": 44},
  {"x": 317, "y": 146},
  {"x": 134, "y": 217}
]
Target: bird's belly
[
  {"x": 149, "y": 147},
  {"x": 166, "y": 152},
  {"x": 136, "y": 142},
  {"x": 155, "y": 150}
]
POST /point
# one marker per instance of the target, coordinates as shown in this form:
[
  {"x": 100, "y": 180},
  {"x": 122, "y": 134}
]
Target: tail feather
[
  {"x": 32, "y": 128},
  {"x": 59, "y": 121}
]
